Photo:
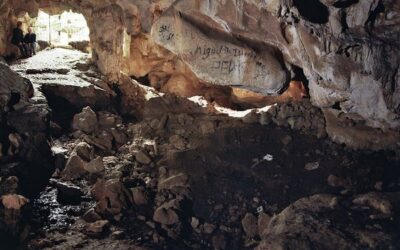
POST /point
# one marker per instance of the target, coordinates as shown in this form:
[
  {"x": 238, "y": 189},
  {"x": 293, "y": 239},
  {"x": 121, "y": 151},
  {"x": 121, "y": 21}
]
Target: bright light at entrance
[{"x": 61, "y": 29}]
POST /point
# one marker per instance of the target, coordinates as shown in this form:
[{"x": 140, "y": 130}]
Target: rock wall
[
  {"x": 350, "y": 60},
  {"x": 25, "y": 156},
  {"x": 346, "y": 51}
]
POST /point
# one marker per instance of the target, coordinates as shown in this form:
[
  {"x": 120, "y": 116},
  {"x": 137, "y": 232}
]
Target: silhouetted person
[
  {"x": 30, "y": 42},
  {"x": 18, "y": 38}
]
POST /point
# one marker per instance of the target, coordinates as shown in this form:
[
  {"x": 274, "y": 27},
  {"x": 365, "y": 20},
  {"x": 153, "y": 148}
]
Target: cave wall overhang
[{"x": 348, "y": 50}]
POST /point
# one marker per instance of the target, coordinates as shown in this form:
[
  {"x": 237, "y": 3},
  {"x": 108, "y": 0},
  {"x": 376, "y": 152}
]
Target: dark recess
[
  {"x": 312, "y": 10},
  {"x": 337, "y": 106},
  {"x": 142, "y": 80},
  {"x": 345, "y": 4},
  {"x": 299, "y": 76},
  {"x": 374, "y": 14},
  {"x": 62, "y": 111}
]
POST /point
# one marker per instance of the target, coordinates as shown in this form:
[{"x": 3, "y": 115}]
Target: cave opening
[{"x": 61, "y": 29}]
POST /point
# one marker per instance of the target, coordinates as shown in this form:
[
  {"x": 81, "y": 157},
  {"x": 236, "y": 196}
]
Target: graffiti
[
  {"x": 165, "y": 33},
  {"x": 206, "y": 51},
  {"x": 227, "y": 60},
  {"x": 260, "y": 71},
  {"x": 227, "y": 66}
]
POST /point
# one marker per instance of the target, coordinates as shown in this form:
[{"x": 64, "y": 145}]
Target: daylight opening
[{"x": 61, "y": 29}]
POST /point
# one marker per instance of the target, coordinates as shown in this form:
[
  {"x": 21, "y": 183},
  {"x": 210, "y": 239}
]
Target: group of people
[{"x": 27, "y": 43}]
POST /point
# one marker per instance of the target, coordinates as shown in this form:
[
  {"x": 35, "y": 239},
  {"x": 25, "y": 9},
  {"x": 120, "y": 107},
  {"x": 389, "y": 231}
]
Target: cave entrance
[{"x": 62, "y": 29}]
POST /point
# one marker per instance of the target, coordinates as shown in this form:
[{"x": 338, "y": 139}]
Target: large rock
[
  {"x": 24, "y": 133},
  {"x": 78, "y": 96},
  {"x": 76, "y": 167},
  {"x": 85, "y": 121},
  {"x": 112, "y": 197},
  {"x": 167, "y": 213},
  {"x": 327, "y": 222},
  {"x": 249, "y": 224},
  {"x": 30, "y": 118},
  {"x": 216, "y": 60},
  {"x": 13, "y": 87},
  {"x": 11, "y": 215},
  {"x": 82, "y": 162},
  {"x": 95, "y": 229}
]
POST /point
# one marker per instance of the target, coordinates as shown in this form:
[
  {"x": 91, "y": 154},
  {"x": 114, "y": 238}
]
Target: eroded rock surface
[
  {"x": 25, "y": 157},
  {"x": 349, "y": 60},
  {"x": 309, "y": 223},
  {"x": 342, "y": 56}
]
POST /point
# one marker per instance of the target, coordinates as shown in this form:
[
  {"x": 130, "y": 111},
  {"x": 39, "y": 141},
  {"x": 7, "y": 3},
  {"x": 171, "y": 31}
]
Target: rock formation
[
  {"x": 25, "y": 156},
  {"x": 348, "y": 60}
]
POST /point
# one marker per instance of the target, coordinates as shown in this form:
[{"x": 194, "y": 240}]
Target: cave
[{"x": 190, "y": 124}]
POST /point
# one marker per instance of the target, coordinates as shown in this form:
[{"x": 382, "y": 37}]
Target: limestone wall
[{"x": 348, "y": 51}]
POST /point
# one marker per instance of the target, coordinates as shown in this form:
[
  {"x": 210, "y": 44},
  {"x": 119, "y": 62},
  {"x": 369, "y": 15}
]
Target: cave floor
[
  {"x": 58, "y": 68},
  {"x": 236, "y": 183},
  {"x": 54, "y": 66}
]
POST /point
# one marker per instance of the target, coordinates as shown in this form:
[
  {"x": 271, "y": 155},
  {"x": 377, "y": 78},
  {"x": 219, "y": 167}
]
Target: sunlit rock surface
[{"x": 67, "y": 76}]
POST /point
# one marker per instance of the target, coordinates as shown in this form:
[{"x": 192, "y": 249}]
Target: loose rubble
[{"x": 177, "y": 195}]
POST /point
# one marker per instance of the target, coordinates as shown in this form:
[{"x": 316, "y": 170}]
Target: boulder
[
  {"x": 13, "y": 87},
  {"x": 96, "y": 229},
  {"x": 91, "y": 216},
  {"x": 67, "y": 190},
  {"x": 30, "y": 118},
  {"x": 142, "y": 157},
  {"x": 312, "y": 222},
  {"x": 263, "y": 221},
  {"x": 173, "y": 212},
  {"x": 11, "y": 215},
  {"x": 249, "y": 224},
  {"x": 85, "y": 121},
  {"x": 111, "y": 196},
  {"x": 140, "y": 196},
  {"x": 178, "y": 142},
  {"x": 74, "y": 168},
  {"x": 82, "y": 162},
  {"x": 13, "y": 201},
  {"x": 79, "y": 96},
  {"x": 84, "y": 151},
  {"x": 9, "y": 185},
  {"x": 95, "y": 166},
  {"x": 166, "y": 215}
]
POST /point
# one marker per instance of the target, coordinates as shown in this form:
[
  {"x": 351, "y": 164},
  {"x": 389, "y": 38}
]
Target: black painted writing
[
  {"x": 260, "y": 71},
  {"x": 165, "y": 32},
  {"x": 226, "y": 66},
  {"x": 206, "y": 51}
]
